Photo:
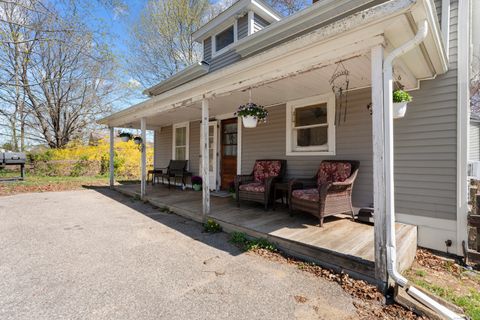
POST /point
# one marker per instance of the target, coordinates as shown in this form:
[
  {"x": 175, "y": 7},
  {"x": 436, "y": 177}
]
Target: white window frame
[
  {"x": 225, "y": 49},
  {"x": 329, "y": 99},
  {"x": 174, "y": 135}
]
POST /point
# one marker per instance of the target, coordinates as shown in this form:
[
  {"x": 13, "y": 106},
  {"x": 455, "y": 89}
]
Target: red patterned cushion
[
  {"x": 306, "y": 194},
  {"x": 253, "y": 187},
  {"x": 266, "y": 168},
  {"x": 333, "y": 172}
]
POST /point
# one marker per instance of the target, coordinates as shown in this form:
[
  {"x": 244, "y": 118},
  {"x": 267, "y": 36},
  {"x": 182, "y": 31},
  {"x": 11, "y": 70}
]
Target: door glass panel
[{"x": 229, "y": 139}]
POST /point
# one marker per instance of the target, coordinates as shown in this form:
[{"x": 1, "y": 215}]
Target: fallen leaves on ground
[
  {"x": 370, "y": 302},
  {"x": 9, "y": 188}
]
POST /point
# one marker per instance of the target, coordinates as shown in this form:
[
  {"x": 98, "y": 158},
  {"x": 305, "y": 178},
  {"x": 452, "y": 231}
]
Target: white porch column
[
  {"x": 143, "y": 181},
  {"x": 379, "y": 196},
  {"x": 112, "y": 155},
  {"x": 205, "y": 161}
]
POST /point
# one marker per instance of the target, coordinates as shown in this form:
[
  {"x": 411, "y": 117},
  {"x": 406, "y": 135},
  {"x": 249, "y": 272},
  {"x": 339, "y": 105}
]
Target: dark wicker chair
[
  {"x": 257, "y": 186},
  {"x": 328, "y": 193},
  {"x": 176, "y": 169}
]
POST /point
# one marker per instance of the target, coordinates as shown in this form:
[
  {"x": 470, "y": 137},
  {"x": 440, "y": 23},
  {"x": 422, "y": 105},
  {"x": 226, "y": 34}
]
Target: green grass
[
  {"x": 470, "y": 303},
  {"x": 240, "y": 239}
]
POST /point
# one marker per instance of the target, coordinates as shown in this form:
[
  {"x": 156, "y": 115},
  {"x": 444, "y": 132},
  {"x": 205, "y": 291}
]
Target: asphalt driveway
[{"x": 95, "y": 254}]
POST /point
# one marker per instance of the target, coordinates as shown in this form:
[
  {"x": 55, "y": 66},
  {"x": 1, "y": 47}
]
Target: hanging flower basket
[
  {"x": 251, "y": 113},
  {"x": 125, "y": 136},
  {"x": 400, "y": 103},
  {"x": 137, "y": 140}
]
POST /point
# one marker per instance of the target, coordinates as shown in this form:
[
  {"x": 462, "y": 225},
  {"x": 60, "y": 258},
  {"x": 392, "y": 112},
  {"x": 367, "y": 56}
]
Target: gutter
[{"x": 389, "y": 167}]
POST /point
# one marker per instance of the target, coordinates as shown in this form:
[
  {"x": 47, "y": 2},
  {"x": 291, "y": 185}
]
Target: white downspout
[{"x": 389, "y": 177}]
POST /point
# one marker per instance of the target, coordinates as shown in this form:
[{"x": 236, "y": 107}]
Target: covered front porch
[
  {"x": 341, "y": 244},
  {"x": 297, "y": 74}
]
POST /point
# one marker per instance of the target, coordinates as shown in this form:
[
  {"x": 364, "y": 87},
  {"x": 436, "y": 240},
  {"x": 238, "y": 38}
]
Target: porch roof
[{"x": 302, "y": 66}]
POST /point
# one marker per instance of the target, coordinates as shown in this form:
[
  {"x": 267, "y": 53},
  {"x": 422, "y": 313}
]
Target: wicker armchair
[
  {"x": 328, "y": 193},
  {"x": 257, "y": 186}
]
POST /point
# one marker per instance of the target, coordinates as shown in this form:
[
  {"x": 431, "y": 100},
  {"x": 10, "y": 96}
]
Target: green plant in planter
[
  {"x": 211, "y": 226},
  {"x": 401, "y": 96},
  {"x": 252, "y": 109},
  {"x": 197, "y": 183}
]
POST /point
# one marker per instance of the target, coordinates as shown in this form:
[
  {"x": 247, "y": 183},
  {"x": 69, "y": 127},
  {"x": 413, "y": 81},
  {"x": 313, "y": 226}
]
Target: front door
[{"x": 228, "y": 152}]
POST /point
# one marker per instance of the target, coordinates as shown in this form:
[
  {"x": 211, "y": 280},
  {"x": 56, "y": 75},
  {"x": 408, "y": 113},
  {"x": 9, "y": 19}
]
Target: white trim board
[{"x": 433, "y": 232}]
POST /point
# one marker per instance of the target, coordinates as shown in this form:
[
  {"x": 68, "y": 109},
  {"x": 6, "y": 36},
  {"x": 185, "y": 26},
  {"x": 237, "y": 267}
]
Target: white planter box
[
  {"x": 249, "y": 121},
  {"x": 399, "y": 109}
]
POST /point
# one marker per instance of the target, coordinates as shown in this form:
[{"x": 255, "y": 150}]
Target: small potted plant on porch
[
  {"x": 137, "y": 140},
  {"x": 197, "y": 183},
  {"x": 251, "y": 113},
  {"x": 125, "y": 136},
  {"x": 400, "y": 101}
]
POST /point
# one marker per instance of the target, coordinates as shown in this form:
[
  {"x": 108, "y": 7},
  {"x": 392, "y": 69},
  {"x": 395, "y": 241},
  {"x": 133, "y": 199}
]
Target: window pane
[
  {"x": 224, "y": 38},
  {"x": 316, "y": 114},
  {"x": 180, "y": 153},
  {"x": 312, "y": 137},
  {"x": 181, "y": 136}
]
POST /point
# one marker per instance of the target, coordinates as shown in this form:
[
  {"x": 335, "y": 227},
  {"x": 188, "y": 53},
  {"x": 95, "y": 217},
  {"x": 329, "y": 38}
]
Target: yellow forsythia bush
[{"x": 126, "y": 161}]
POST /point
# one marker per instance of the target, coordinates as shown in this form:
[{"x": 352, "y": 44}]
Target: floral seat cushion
[
  {"x": 264, "y": 169},
  {"x": 333, "y": 172},
  {"x": 306, "y": 194},
  {"x": 252, "y": 187}
]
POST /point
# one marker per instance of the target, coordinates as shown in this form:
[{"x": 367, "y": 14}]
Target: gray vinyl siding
[
  {"x": 242, "y": 25},
  {"x": 207, "y": 50},
  {"x": 426, "y": 144},
  {"x": 353, "y": 142},
  {"x": 223, "y": 60},
  {"x": 163, "y": 147},
  {"x": 259, "y": 23},
  {"x": 474, "y": 142}
]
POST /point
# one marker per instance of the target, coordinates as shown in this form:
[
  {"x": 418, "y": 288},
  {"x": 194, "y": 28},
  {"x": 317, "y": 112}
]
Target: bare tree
[
  {"x": 162, "y": 41},
  {"x": 57, "y": 76}
]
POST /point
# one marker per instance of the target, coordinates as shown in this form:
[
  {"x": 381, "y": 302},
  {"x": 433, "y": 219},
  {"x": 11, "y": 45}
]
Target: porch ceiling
[{"x": 310, "y": 83}]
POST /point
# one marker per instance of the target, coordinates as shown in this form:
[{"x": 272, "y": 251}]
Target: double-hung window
[
  {"x": 224, "y": 39},
  {"x": 311, "y": 126},
  {"x": 180, "y": 141}
]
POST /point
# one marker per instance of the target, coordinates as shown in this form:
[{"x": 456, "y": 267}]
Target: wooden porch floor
[{"x": 340, "y": 244}]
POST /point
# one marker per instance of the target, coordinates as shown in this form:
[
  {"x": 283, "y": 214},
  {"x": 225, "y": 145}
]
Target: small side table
[
  {"x": 282, "y": 188},
  {"x": 153, "y": 173}
]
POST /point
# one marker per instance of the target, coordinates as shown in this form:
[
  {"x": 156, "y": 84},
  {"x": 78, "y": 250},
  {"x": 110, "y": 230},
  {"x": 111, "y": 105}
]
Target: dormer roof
[{"x": 236, "y": 10}]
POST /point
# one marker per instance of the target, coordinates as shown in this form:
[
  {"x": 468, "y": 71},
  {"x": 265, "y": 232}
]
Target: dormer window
[{"x": 224, "y": 39}]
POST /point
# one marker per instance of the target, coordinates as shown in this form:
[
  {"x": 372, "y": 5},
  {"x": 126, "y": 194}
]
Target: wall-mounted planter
[
  {"x": 399, "y": 109},
  {"x": 249, "y": 121}
]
